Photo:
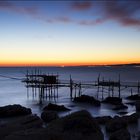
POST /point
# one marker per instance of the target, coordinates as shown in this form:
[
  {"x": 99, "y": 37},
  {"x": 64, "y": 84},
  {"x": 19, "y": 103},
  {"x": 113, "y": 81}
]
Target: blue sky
[{"x": 69, "y": 33}]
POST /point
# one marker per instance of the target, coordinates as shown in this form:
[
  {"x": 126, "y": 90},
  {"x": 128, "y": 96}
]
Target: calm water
[{"x": 14, "y": 92}]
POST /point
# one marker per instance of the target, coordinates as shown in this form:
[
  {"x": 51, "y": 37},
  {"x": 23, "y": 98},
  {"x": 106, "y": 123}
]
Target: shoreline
[{"x": 35, "y": 124}]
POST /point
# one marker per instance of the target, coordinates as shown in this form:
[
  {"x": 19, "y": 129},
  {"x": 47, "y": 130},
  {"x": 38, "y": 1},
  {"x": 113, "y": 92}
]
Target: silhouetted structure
[{"x": 46, "y": 86}]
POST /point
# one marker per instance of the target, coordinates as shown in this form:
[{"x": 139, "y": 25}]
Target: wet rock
[
  {"x": 122, "y": 112},
  {"x": 22, "y": 123},
  {"x": 116, "y": 124},
  {"x": 133, "y": 97},
  {"x": 55, "y": 107},
  {"x": 77, "y": 126},
  {"x": 137, "y": 106},
  {"x": 130, "y": 103},
  {"x": 133, "y": 118},
  {"x": 113, "y": 100},
  {"x": 87, "y": 99},
  {"x": 122, "y": 134},
  {"x": 14, "y": 110},
  {"x": 103, "y": 120},
  {"x": 120, "y": 107},
  {"x": 48, "y": 116}
]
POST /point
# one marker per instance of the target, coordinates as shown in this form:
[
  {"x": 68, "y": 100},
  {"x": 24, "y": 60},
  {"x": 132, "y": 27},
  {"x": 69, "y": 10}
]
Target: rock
[
  {"x": 48, "y": 116},
  {"x": 103, "y": 119},
  {"x": 113, "y": 100},
  {"x": 22, "y": 123},
  {"x": 116, "y": 124},
  {"x": 122, "y": 112},
  {"x": 87, "y": 99},
  {"x": 120, "y": 107},
  {"x": 133, "y": 118},
  {"x": 130, "y": 103},
  {"x": 77, "y": 126},
  {"x": 14, "y": 110},
  {"x": 122, "y": 134},
  {"x": 133, "y": 97},
  {"x": 137, "y": 106},
  {"x": 55, "y": 107}
]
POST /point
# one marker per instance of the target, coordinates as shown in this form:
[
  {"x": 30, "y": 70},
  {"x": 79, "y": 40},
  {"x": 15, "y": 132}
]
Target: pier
[{"x": 47, "y": 86}]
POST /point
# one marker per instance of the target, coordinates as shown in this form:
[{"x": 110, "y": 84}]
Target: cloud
[
  {"x": 80, "y": 6},
  {"x": 91, "y": 22},
  {"x": 125, "y": 13},
  {"x": 10, "y": 6}
]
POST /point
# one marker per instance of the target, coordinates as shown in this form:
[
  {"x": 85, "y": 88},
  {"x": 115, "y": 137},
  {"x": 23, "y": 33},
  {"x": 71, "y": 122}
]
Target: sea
[{"x": 13, "y": 90}]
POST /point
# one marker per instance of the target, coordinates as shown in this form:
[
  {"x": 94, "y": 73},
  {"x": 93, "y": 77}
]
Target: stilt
[
  {"x": 131, "y": 91},
  {"x": 138, "y": 88},
  {"x": 71, "y": 87},
  {"x": 119, "y": 87}
]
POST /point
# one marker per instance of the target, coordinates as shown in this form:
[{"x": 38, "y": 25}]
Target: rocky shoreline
[{"x": 18, "y": 123}]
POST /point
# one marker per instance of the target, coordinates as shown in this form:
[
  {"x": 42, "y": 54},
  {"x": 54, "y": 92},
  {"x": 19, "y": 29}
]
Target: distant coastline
[{"x": 104, "y": 65}]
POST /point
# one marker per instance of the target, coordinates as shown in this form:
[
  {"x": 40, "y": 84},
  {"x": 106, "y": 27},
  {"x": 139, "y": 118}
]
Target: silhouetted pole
[
  {"x": 71, "y": 86},
  {"x": 138, "y": 88},
  {"x": 79, "y": 89},
  {"x": 119, "y": 86},
  {"x": 103, "y": 90}
]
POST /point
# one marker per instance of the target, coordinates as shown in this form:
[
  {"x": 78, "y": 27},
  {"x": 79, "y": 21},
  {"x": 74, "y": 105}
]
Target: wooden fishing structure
[{"x": 47, "y": 86}]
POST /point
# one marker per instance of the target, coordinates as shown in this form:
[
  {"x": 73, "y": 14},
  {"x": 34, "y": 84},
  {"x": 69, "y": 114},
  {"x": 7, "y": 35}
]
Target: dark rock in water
[
  {"x": 133, "y": 97},
  {"x": 137, "y": 106},
  {"x": 87, "y": 99},
  {"x": 120, "y": 107},
  {"x": 133, "y": 118},
  {"x": 122, "y": 112},
  {"x": 55, "y": 107},
  {"x": 116, "y": 124},
  {"x": 103, "y": 119},
  {"x": 113, "y": 100},
  {"x": 77, "y": 126},
  {"x": 122, "y": 134},
  {"x": 48, "y": 116},
  {"x": 130, "y": 103},
  {"x": 14, "y": 110},
  {"x": 22, "y": 123}
]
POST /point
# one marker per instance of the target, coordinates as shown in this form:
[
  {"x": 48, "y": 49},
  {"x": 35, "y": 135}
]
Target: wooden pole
[
  {"x": 138, "y": 88},
  {"x": 71, "y": 87},
  {"x": 119, "y": 87}
]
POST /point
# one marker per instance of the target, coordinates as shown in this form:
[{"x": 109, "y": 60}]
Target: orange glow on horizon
[{"x": 10, "y": 64}]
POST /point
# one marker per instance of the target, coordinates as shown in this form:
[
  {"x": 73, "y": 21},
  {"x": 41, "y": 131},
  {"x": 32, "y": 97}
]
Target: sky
[{"x": 63, "y": 33}]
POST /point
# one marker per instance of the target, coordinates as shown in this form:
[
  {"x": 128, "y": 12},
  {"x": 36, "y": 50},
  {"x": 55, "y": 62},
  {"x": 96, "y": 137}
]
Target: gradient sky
[{"x": 69, "y": 32}]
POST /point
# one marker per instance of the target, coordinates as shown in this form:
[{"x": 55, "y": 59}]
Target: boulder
[
  {"x": 14, "y": 110},
  {"x": 77, "y": 126},
  {"x": 48, "y": 116},
  {"x": 134, "y": 97},
  {"x": 55, "y": 107},
  {"x": 103, "y": 119},
  {"x": 122, "y": 134},
  {"x": 21, "y": 123},
  {"x": 113, "y": 100},
  {"x": 87, "y": 99},
  {"x": 137, "y": 106},
  {"x": 120, "y": 107},
  {"x": 116, "y": 124},
  {"x": 131, "y": 103},
  {"x": 122, "y": 112},
  {"x": 133, "y": 118}
]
